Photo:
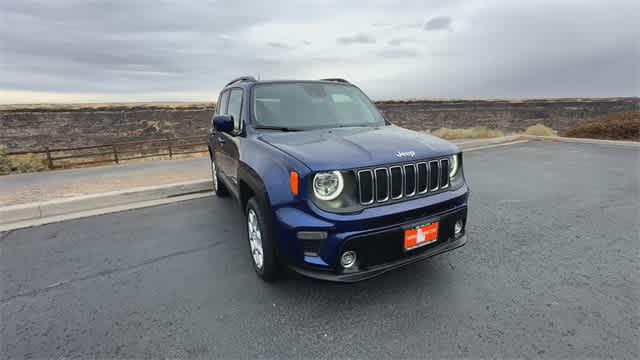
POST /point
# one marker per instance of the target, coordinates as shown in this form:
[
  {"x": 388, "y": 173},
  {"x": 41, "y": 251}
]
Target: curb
[
  {"x": 512, "y": 139},
  {"x": 633, "y": 144},
  {"x": 470, "y": 145},
  {"x": 26, "y": 215},
  {"x": 46, "y": 209},
  {"x": 100, "y": 211}
]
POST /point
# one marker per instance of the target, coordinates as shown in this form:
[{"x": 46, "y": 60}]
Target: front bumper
[
  {"x": 380, "y": 269},
  {"x": 376, "y": 234}
]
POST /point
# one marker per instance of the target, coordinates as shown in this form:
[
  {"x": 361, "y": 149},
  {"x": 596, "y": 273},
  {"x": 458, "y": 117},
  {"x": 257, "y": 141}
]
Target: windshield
[{"x": 312, "y": 105}]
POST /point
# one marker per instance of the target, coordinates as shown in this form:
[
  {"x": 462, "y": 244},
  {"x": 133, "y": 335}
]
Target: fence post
[
  {"x": 170, "y": 150},
  {"x": 49, "y": 159},
  {"x": 115, "y": 153}
]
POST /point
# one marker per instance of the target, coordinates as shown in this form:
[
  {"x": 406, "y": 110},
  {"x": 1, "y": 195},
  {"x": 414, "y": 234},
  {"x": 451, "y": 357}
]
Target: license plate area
[{"x": 421, "y": 235}]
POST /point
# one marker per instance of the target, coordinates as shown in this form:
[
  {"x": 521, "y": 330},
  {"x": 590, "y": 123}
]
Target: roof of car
[{"x": 245, "y": 81}]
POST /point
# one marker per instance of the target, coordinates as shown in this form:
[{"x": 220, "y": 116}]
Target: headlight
[
  {"x": 328, "y": 185},
  {"x": 453, "y": 165}
]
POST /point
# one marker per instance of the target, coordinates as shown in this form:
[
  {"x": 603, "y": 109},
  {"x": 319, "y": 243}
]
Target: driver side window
[
  {"x": 221, "y": 107},
  {"x": 235, "y": 108}
]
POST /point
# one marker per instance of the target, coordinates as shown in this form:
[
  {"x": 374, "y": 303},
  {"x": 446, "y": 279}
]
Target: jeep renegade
[{"x": 329, "y": 187}]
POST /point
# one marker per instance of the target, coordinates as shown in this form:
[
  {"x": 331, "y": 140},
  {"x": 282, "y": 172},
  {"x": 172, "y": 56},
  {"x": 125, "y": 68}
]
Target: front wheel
[
  {"x": 261, "y": 241},
  {"x": 218, "y": 188}
]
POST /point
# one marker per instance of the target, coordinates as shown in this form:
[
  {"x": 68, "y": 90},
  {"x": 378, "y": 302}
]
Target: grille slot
[
  {"x": 410, "y": 180},
  {"x": 423, "y": 177},
  {"x": 398, "y": 181},
  {"x": 444, "y": 173},
  {"x": 367, "y": 186},
  {"x": 434, "y": 175},
  {"x": 381, "y": 184}
]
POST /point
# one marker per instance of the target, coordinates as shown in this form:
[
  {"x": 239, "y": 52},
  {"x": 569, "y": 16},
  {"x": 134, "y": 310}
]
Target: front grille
[{"x": 400, "y": 181}]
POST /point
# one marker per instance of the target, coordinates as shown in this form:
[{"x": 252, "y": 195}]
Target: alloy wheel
[{"x": 255, "y": 238}]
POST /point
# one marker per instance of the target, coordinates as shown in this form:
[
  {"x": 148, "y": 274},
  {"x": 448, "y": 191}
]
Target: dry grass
[
  {"x": 614, "y": 126},
  {"x": 540, "y": 130},
  {"x": 5, "y": 162},
  {"x": 20, "y": 163},
  {"x": 478, "y": 132}
]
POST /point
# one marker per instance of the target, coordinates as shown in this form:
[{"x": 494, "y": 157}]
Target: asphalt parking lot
[{"x": 550, "y": 270}]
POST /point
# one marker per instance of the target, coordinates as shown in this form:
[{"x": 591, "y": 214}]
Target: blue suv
[{"x": 329, "y": 187}]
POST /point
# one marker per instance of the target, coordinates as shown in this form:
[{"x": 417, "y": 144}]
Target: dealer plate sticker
[{"x": 421, "y": 235}]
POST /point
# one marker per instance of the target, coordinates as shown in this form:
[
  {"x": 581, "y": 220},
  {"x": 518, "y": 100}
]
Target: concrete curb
[
  {"x": 470, "y": 145},
  {"x": 40, "y": 210},
  {"x": 25, "y": 215},
  {"x": 633, "y": 144},
  {"x": 100, "y": 211},
  {"x": 517, "y": 138}
]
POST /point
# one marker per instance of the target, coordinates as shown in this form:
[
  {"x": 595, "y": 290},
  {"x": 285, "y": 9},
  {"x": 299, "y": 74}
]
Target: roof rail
[
  {"x": 241, "y": 78},
  {"x": 336, "y": 80}
]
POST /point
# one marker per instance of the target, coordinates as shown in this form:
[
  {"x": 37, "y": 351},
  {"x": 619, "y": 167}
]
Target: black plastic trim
[{"x": 381, "y": 269}]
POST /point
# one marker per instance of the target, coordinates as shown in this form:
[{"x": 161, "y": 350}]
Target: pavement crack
[{"x": 107, "y": 272}]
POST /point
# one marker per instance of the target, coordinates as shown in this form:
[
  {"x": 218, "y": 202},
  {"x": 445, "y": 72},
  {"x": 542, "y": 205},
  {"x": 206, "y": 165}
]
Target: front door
[
  {"x": 218, "y": 139},
  {"x": 231, "y": 145}
]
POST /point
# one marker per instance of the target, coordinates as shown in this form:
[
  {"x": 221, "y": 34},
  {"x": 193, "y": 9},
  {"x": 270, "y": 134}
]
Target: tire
[
  {"x": 219, "y": 188},
  {"x": 261, "y": 242}
]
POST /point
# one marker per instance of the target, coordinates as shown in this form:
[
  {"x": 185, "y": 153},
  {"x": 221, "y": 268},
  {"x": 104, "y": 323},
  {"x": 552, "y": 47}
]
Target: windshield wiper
[{"x": 281, "y": 128}]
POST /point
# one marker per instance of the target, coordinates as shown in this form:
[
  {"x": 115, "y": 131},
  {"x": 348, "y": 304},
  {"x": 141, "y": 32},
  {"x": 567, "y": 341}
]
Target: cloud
[
  {"x": 395, "y": 53},
  {"x": 149, "y": 49},
  {"x": 356, "y": 39},
  {"x": 402, "y": 40},
  {"x": 278, "y": 45},
  {"x": 414, "y": 25},
  {"x": 438, "y": 23}
]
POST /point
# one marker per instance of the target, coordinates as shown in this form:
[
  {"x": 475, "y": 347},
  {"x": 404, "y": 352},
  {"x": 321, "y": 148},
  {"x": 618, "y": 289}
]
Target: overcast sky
[{"x": 154, "y": 50}]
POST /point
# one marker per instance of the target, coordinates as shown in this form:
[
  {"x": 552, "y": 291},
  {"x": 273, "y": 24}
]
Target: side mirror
[{"x": 223, "y": 123}]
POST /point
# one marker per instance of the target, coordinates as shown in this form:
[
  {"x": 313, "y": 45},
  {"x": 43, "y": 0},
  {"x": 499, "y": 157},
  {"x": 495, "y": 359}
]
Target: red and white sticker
[{"x": 420, "y": 236}]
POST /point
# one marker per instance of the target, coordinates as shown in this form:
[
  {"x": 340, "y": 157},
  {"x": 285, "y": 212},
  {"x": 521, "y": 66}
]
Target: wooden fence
[{"x": 118, "y": 152}]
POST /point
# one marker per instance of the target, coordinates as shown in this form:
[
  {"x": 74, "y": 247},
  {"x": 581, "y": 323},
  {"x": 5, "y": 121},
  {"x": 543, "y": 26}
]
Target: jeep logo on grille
[{"x": 401, "y": 154}]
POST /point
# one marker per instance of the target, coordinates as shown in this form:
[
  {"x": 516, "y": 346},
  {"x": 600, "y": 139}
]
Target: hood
[{"x": 345, "y": 148}]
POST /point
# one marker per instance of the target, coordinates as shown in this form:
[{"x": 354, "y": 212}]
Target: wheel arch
[{"x": 250, "y": 184}]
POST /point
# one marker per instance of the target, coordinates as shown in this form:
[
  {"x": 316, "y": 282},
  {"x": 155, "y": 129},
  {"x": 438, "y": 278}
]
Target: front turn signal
[{"x": 294, "y": 182}]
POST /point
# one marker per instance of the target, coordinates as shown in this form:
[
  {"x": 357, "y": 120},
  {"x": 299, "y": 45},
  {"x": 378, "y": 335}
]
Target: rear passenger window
[{"x": 235, "y": 108}]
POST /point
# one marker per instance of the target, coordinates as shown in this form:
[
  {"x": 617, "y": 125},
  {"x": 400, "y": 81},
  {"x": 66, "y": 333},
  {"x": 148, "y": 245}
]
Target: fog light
[
  {"x": 457, "y": 228},
  {"x": 348, "y": 259}
]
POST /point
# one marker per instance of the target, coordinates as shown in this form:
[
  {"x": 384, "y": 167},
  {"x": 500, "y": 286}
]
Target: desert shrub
[
  {"x": 5, "y": 162},
  {"x": 28, "y": 163},
  {"x": 540, "y": 130},
  {"x": 19, "y": 163},
  {"x": 479, "y": 132},
  {"x": 614, "y": 126}
]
